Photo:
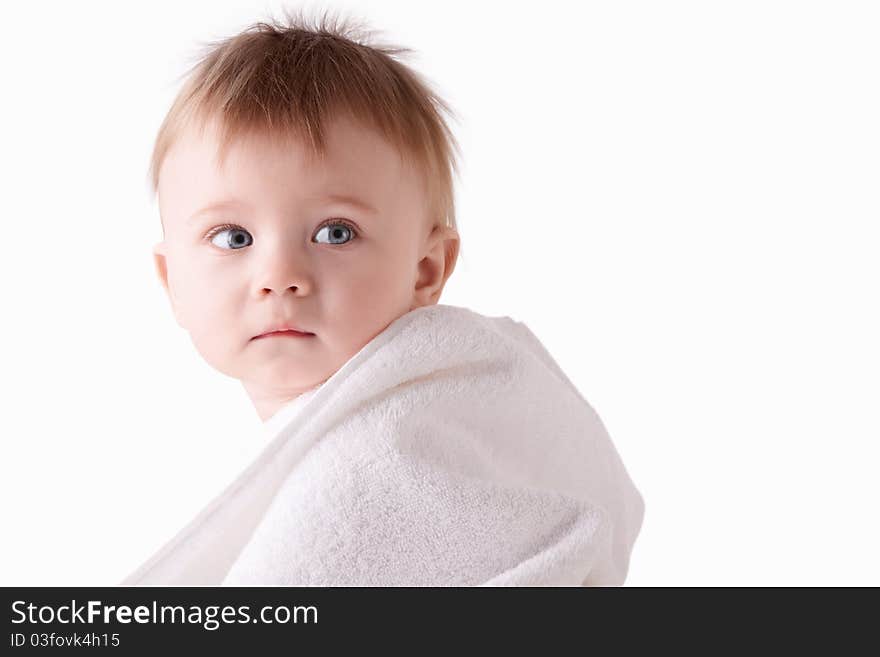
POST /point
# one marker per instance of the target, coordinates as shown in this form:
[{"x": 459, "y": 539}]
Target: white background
[{"x": 680, "y": 199}]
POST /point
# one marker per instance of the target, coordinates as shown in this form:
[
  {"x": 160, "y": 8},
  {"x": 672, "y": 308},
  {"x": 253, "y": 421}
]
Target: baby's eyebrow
[
  {"x": 214, "y": 207},
  {"x": 344, "y": 199}
]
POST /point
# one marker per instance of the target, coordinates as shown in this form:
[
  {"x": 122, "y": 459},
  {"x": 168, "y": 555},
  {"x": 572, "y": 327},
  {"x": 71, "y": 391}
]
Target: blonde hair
[{"x": 288, "y": 79}]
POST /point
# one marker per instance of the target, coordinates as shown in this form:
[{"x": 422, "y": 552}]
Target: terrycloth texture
[{"x": 451, "y": 450}]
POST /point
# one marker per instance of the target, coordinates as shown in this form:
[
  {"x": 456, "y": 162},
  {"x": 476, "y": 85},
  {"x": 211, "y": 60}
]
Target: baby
[
  {"x": 304, "y": 182},
  {"x": 305, "y": 188}
]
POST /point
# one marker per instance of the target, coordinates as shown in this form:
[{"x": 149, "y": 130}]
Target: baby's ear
[
  {"x": 162, "y": 271},
  {"x": 436, "y": 266}
]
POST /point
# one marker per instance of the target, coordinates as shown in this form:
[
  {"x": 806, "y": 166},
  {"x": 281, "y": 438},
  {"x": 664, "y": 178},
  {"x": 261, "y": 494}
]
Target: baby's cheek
[{"x": 213, "y": 326}]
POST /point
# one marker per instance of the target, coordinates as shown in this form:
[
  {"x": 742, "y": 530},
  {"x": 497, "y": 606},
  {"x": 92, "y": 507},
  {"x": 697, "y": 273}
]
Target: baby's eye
[
  {"x": 236, "y": 237},
  {"x": 338, "y": 230}
]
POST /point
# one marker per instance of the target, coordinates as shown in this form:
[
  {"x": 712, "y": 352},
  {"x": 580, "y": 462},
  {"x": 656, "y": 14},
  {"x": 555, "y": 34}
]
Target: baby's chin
[
  {"x": 281, "y": 365},
  {"x": 274, "y": 370},
  {"x": 282, "y": 377}
]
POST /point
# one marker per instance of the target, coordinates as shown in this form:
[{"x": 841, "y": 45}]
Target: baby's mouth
[{"x": 285, "y": 333}]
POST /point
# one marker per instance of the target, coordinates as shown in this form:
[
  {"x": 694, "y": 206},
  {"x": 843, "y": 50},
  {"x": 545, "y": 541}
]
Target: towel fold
[{"x": 451, "y": 450}]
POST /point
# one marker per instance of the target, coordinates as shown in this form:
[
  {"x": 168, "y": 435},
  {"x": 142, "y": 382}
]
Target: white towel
[{"x": 451, "y": 450}]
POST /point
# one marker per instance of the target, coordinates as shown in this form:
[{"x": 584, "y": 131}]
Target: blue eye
[
  {"x": 338, "y": 230},
  {"x": 235, "y": 238}
]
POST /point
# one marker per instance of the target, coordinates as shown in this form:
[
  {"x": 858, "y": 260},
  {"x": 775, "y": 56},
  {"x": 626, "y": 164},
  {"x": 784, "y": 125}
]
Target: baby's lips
[{"x": 283, "y": 330}]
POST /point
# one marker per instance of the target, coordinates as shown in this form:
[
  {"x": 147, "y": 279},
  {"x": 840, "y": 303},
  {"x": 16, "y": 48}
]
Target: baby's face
[{"x": 294, "y": 251}]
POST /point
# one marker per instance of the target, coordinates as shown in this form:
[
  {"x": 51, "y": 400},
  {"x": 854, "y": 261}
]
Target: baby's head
[{"x": 304, "y": 179}]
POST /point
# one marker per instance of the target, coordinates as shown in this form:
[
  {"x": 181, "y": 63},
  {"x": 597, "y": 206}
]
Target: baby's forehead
[
  {"x": 348, "y": 149},
  {"x": 357, "y": 167}
]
